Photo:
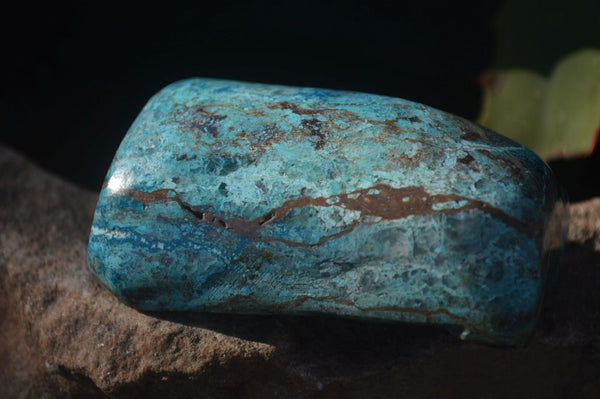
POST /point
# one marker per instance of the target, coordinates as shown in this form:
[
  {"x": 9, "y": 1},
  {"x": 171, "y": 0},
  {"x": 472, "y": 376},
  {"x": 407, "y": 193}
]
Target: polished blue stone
[{"x": 251, "y": 198}]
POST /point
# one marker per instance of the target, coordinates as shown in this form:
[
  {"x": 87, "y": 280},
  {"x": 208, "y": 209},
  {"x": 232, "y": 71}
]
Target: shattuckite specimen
[{"x": 251, "y": 198}]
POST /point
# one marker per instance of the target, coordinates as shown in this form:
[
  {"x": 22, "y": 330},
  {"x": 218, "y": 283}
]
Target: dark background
[{"x": 76, "y": 75}]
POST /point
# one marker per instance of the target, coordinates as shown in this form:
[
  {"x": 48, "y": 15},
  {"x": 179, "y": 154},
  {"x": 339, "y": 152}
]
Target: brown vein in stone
[
  {"x": 295, "y": 108},
  {"x": 346, "y": 115},
  {"x": 199, "y": 120},
  {"x": 392, "y": 203},
  {"x": 424, "y": 312},
  {"x": 301, "y": 299},
  {"x": 380, "y": 201}
]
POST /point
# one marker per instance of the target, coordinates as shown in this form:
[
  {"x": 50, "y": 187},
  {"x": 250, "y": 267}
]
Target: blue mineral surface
[{"x": 252, "y": 198}]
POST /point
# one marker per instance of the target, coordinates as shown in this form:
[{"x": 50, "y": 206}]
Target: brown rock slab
[{"x": 64, "y": 335}]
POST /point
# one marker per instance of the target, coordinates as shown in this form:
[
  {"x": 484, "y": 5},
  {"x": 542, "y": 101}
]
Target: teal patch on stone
[{"x": 251, "y": 198}]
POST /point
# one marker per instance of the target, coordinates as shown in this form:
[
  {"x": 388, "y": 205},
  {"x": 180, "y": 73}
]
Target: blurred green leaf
[
  {"x": 571, "y": 114},
  {"x": 512, "y": 104},
  {"x": 555, "y": 116}
]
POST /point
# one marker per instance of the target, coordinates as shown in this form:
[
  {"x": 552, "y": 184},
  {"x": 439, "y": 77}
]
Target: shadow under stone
[
  {"x": 421, "y": 358},
  {"x": 571, "y": 311},
  {"x": 572, "y": 305},
  {"x": 571, "y": 315},
  {"x": 349, "y": 341}
]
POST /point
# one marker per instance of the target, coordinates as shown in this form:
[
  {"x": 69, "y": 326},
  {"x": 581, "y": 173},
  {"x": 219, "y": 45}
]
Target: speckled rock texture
[
  {"x": 63, "y": 335},
  {"x": 242, "y": 197}
]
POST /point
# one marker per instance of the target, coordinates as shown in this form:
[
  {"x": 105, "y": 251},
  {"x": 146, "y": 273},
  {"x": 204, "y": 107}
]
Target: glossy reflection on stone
[{"x": 249, "y": 198}]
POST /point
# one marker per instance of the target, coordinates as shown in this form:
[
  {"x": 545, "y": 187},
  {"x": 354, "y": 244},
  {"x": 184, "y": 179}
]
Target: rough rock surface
[{"x": 64, "y": 335}]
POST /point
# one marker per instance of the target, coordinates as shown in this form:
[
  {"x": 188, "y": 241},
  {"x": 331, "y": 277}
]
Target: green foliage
[
  {"x": 544, "y": 90},
  {"x": 554, "y": 116}
]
